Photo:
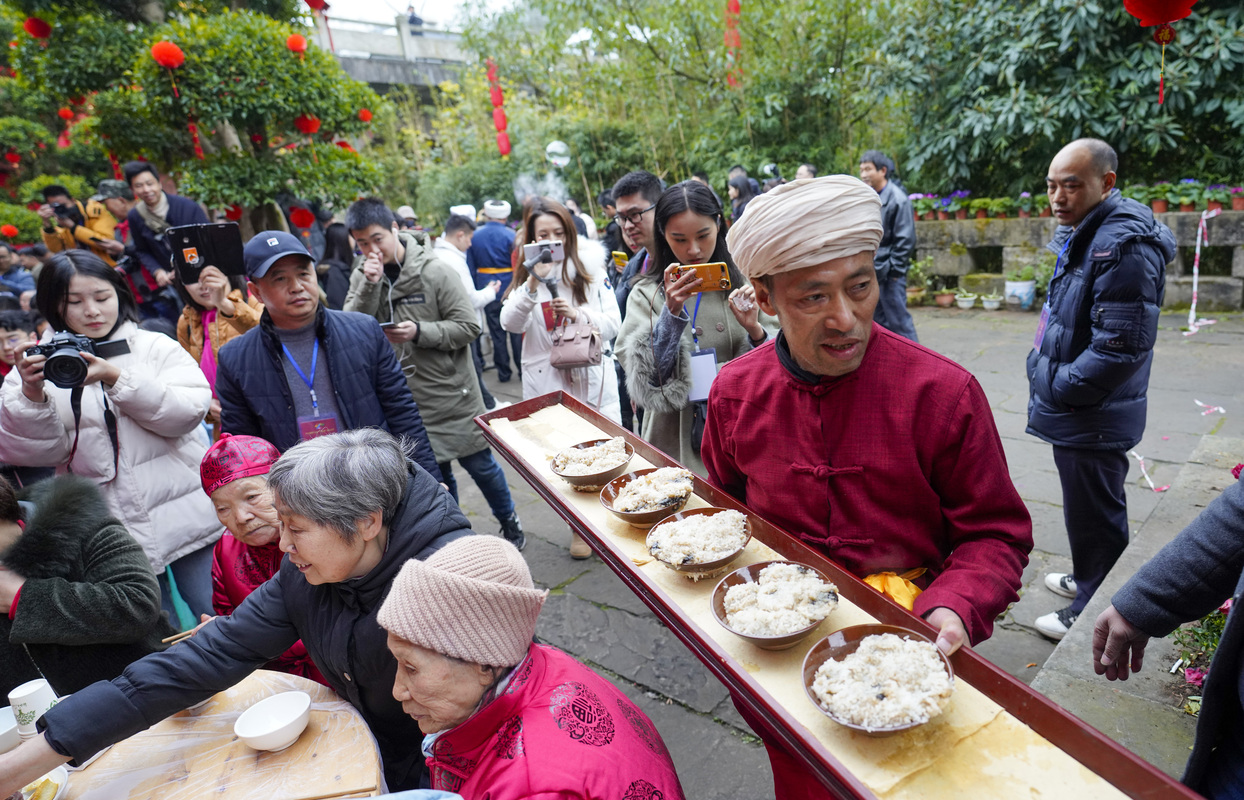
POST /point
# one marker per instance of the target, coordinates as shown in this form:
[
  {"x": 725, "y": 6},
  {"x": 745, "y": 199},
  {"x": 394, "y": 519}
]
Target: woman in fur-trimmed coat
[{"x": 78, "y": 599}]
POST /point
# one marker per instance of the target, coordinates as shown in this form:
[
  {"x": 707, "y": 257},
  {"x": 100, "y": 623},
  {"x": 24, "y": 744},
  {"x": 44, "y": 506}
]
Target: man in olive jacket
[
  {"x": 431, "y": 322},
  {"x": 78, "y": 600}
]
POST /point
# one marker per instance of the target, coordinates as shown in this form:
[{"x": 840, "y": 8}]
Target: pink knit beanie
[{"x": 473, "y": 599}]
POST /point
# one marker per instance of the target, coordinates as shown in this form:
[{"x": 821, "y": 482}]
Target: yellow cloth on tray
[{"x": 898, "y": 588}]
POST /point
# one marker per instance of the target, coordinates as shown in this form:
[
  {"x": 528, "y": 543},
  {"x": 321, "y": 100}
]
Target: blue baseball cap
[{"x": 262, "y": 251}]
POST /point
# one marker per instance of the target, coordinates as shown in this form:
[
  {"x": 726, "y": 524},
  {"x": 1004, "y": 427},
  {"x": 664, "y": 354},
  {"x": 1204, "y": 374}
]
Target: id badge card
[
  {"x": 1041, "y": 323},
  {"x": 703, "y": 373},
  {"x": 313, "y": 425}
]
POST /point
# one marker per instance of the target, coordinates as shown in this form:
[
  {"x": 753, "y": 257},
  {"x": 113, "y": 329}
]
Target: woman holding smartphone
[
  {"x": 131, "y": 426},
  {"x": 672, "y": 317}
]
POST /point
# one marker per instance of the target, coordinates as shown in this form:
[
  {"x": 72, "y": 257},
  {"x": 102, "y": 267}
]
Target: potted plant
[
  {"x": 1021, "y": 286},
  {"x": 1158, "y": 194},
  {"x": 1136, "y": 191},
  {"x": 1025, "y": 205},
  {"x": 957, "y": 204},
  {"x": 1001, "y": 207},
  {"x": 924, "y": 205},
  {"x": 979, "y": 207},
  {"x": 991, "y": 302},
  {"x": 1237, "y": 198},
  {"x": 1043, "y": 273},
  {"x": 918, "y": 280},
  {"x": 965, "y": 300},
  {"x": 943, "y": 291},
  {"x": 1042, "y": 202},
  {"x": 1216, "y": 196},
  {"x": 1187, "y": 193}
]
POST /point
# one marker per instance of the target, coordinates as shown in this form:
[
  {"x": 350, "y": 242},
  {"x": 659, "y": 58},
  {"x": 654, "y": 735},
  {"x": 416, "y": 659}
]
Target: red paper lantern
[
  {"x": 233, "y": 213},
  {"x": 12, "y": 158},
  {"x": 10, "y": 231},
  {"x": 33, "y": 205},
  {"x": 257, "y": 138},
  {"x": 301, "y": 217},
  {"x": 317, "y": 5},
  {"x": 1156, "y": 12},
  {"x": 307, "y": 123},
  {"x": 365, "y": 115},
  {"x": 167, "y": 54},
  {"x": 65, "y": 113},
  {"x": 297, "y": 43},
  {"x": 492, "y": 71},
  {"x": 733, "y": 39},
  {"x": 733, "y": 7},
  {"x": 498, "y": 99},
  {"x": 498, "y": 119},
  {"x": 37, "y": 28},
  {"x": 503, "y": 143}
]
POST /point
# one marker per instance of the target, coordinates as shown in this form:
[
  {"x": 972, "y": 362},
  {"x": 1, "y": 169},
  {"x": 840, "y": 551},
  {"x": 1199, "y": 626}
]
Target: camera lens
[{"x": 65, "y": 368}]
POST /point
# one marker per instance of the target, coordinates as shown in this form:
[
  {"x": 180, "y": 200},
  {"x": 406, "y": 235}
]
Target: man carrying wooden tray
[{"x": 877, "y": 451}]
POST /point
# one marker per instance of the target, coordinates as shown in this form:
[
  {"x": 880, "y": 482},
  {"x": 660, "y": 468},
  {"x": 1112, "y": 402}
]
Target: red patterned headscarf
[{"x": 235, "y": 457}]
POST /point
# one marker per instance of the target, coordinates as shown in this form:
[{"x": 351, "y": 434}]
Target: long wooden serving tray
[{"x": 998, "y": 739}]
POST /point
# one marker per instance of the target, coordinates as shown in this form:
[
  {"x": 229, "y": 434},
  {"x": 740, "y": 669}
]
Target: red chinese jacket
[
  {"x": 556, "y": 731},
  {"x": 237, "y": 570},
  {"x": 895, "y": 466}
]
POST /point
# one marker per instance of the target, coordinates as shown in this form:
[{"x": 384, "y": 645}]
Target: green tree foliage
[
  {"x": 32, "y": 190},
  {"x": 994, "y": 88},
  {"x": 27, "y": 222}
]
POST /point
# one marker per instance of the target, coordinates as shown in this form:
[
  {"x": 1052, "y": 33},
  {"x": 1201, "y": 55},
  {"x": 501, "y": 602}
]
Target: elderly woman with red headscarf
[
  {"x": 502, "y": 717},
  {"x": 235, "y": 476}
]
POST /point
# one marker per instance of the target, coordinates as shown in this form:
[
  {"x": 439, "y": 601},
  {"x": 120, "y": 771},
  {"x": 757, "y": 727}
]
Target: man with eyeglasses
[{"x": 635, "y": 198}]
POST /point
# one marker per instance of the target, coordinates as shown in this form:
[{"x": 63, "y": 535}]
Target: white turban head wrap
[{"x": 805, "y": 223}]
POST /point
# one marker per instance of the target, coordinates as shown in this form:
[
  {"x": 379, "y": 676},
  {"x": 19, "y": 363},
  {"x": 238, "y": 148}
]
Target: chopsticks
[
  {"x": 363, "y": 792},
  {"x": 179, "y": 637}
]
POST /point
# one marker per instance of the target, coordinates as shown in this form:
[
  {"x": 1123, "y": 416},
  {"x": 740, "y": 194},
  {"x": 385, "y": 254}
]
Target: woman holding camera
[
  {"x": 555, "y": 293},
  {"x": 671, "y": 316},
  {"x": 128, "y": 421}
]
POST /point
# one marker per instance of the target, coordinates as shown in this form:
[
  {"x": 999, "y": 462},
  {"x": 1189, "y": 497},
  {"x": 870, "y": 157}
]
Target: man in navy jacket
[
  {"x": 149, "y": 219},
  {"x": 1088, "y": 371},
  {"x": 307, "y": 371}
]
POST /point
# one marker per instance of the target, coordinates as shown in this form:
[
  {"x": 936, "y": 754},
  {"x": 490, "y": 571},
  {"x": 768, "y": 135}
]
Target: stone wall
[{"x": 951, "y": 243}]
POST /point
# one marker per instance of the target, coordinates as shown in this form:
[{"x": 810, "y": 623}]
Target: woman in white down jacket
[
  {"x": 138, "y": 435},
  {"x": 582, "y": 297}
]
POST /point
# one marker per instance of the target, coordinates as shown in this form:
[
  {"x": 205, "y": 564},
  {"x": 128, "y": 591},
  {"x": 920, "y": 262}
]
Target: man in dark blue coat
[
  {"x": 490, "y": 253},
  {"x": 150, "y": 219},
  {"x": 1191, "y": 576},
  {"x": 898, "y": 242},
  {"x": 307, "y": 371},
  {"x": 1088, "y": 371}
]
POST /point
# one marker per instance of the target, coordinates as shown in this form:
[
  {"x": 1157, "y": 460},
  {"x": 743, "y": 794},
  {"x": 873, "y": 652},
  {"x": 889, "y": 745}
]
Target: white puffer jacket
[{"x": 159, "y": 401}]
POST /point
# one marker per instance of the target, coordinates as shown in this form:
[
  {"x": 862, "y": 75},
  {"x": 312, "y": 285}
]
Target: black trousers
[
  {"x": 500, "y": 350},
  {"x": 1095, "y": 510}
]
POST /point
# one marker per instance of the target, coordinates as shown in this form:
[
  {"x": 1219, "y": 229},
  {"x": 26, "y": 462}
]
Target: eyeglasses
[{"x": 634, "y": 217}]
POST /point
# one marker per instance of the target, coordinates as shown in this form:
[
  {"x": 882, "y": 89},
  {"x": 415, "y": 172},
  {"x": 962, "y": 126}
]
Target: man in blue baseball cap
[{"x": 307, "y": 371}]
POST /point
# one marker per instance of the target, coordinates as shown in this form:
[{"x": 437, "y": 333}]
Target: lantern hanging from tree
[
  {"x": 169, "y": 56},
  {"x": 1160, "y": 13},
  {"x": 37, "y": 28},
  {"x": 12, "y": 158},
  {"x": 307, "y": 123},
  {"x": 734, "y": 43},
  {"x": 9, "y": 231},
  {"x": 297, "y": 43},
  {"x": 301, "y": 217},
  {"x": 499, "y": 120},
  {"x": 65, "y": 113},
  {"x": 233, "y": 213},
  {"x": 317, "y": 5},
  {"x": 503, "y": 143},
  {"x": 365, "y": 115}
]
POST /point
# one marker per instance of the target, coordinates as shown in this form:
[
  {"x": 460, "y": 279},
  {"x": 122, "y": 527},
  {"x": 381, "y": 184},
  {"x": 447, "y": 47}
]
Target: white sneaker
[
  {"x": 1056, "y": 624},
  {"x": 1062, "y": 584}
]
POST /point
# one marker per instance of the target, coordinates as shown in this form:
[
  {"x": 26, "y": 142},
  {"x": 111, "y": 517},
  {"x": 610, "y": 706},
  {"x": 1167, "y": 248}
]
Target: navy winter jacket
[
  {"x": 1089, "y": 375},
  {"x": 336, "y": 621},
  {"x": 153, "y": 250},
  {"x": 371, "y": 390}
]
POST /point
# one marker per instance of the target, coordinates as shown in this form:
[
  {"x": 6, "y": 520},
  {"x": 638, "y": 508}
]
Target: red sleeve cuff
[{"x": 13, "y": 608}]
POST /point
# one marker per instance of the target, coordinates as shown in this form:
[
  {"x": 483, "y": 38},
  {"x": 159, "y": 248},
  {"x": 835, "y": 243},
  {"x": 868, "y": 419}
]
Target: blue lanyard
[
  {"x": 310, "y": 382},
  {"x": 695, "y": 337},
  {"x": 1058, "y": 262}
]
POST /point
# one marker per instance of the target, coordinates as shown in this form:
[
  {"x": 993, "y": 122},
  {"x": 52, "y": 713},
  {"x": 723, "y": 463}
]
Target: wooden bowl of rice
[
  {"x": 895, "y": 688},
  {"x": 772, "y": 631},
  {"x": 564, "y": 466},
  {"x": 700, "y": 543},
  {"x": 647, "y": 518}
]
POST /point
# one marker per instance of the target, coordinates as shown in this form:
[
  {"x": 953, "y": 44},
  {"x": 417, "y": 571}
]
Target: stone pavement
[{"x": 593, "y": 616}]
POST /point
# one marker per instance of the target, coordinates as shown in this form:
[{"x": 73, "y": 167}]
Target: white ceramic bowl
[
  {"x": 276, "y": 722},
  {"x": 61, "y": 776},
  {"x": 9, "y": 737}
]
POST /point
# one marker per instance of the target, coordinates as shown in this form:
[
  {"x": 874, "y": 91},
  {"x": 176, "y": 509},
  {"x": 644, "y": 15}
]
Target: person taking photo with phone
[
  {"x": 673, "y": 320},
  {"x": 130, "y": 425},
  {"x": 68, "y": 225}
]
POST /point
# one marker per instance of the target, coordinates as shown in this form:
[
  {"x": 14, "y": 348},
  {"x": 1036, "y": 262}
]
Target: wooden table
[
  {"x": 998, "y": 738},
  {"x": 189, "y": 757}
]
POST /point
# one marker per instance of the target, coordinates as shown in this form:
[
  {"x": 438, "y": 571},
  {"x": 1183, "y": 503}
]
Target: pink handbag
[{"x": 575, "y": 346}]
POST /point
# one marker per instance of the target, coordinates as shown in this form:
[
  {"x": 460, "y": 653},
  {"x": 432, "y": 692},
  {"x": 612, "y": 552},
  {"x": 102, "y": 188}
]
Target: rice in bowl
[
  {"x": 887, "y": 682},
  {"x": 667, "y": 486},
  {"x": 786, "y": 598},
  {"x": 591, "y": 460},
  {"x": 698, "y": 539}
]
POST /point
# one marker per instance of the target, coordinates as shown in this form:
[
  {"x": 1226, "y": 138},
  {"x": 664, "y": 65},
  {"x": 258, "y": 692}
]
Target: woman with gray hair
[
  {"x": 353, "y": 511},
  {"x": 502, "y": 717}
]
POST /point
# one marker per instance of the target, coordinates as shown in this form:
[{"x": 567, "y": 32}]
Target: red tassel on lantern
[
  {"x": 10, "y": 231},
  {"x": 498, "y": 99},
  {"x": 37, "y": 28},
  {"x": 498, "y": 119},
  {"x": 116, "y": 165},
  {"x": 194, "y": 137},
  {"x": 233, "y": 213},
  {"x": 301, "y": 217},
  {"x": 1164, "y": 35},
  {"x": 307, "y": 123},
  {"x": 297, "y": 43},
  {"x": 503, "y": 143}
]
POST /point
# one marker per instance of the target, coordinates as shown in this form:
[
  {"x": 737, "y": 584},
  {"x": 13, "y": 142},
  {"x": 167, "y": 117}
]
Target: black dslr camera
[
  {"x": 68, "y": 211},
  {"x": 65, "y": 367}
]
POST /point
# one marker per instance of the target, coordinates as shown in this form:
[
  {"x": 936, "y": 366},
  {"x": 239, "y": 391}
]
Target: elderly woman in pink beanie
[{"x": 503, "y": 717}]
